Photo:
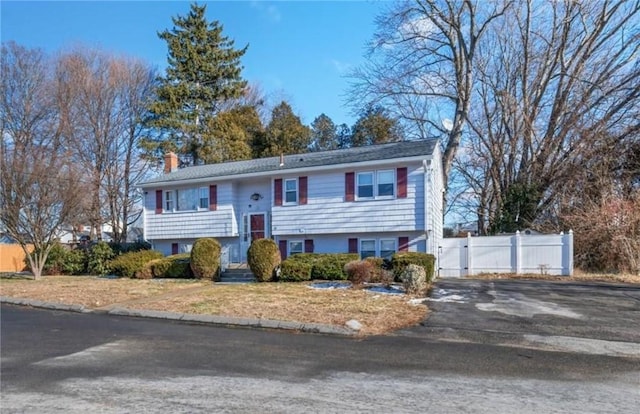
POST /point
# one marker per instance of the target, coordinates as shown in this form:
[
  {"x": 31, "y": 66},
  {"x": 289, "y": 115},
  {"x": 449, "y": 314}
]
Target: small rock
[{"x": 353, "y": 324}]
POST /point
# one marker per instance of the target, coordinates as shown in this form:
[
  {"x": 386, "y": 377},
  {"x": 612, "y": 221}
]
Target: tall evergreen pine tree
[{"x": 204, "y": 71}]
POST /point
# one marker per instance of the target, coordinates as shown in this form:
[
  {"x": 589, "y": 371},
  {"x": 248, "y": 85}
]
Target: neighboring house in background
[{"x": 373, "y": 200}]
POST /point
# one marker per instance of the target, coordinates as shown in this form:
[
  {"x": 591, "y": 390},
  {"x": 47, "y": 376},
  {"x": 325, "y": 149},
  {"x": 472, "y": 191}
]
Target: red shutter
[
  {"x": 353, "y": 245},
  {"x": 403, "y": 244},
  {"x": 401, "y": 177},
  {"x": 302, "y": 188},
  {"x": 308, "y": 246},
  {"x": 349, "y": 186},
  {"x": 282, "y": 246},
  {"x": 277, "y": 191},
  {"x": 158, "y": 201},
  {"x": 213, "y": 197},
  {"x": 174, "y": 248}
]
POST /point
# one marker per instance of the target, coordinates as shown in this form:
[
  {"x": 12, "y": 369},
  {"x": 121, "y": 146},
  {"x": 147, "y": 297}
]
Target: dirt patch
[
  {"x": 577, "y": 276},
  {"x": 378, "y": 313}
]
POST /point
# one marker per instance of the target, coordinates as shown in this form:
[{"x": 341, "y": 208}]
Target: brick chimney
[{"x": 170, "y": 162}]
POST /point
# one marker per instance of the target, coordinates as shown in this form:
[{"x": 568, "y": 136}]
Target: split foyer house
[{"x": 373, "y": 200}]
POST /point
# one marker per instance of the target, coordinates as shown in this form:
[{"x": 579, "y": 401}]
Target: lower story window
[
  {"x": 367, "y": 248},
  {"x": 387, "y": 248},
  {"x": 295, "y": 247}
]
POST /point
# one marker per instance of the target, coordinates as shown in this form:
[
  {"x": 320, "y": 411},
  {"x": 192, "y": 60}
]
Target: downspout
[{"x": 427, "y": 217}]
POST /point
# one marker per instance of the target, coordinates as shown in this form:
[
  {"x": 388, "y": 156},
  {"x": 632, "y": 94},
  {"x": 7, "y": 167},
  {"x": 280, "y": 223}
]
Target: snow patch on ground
[
  {"x": 517, "y": 304},
  {"x": 443, "y": 295}
]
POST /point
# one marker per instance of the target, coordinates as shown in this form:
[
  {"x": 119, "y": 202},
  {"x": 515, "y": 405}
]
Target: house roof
[{"x": 394, "y": 150}]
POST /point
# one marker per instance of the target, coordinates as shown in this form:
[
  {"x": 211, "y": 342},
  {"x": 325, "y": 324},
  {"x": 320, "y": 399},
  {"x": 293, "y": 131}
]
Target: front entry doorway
[{"x": 257, "y": 226}]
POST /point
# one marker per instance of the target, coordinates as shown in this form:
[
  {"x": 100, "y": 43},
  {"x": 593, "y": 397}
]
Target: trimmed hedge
[
  {"x": 177, "y": 266},
  {"x": 327, "y": 266},
  {"x": 100, "y": 255},
  {"x": 263, "y": 257},
  {"x": 294, "y": 271},
  {"x": 205, "y": 258},
  {"x": 401, "y": 260},
  {"x": 128, "y": 264}
]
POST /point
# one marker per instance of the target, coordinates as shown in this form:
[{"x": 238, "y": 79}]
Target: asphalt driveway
[{"x": 582, "y": 317}]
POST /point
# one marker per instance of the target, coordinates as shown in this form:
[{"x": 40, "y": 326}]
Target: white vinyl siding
[
  {"x": 192, "y": 223},
  {"x": 327, "y": 213}
]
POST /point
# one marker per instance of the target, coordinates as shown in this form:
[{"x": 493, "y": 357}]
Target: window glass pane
[
  {"x": 204, "y": 197},
  {"x": 295, "y": 247},
  {"x": 291, "y": 193},
  {"x": 187, "y": 199},
  {"x": 387, "y": 248},
  {"x": 365, "y": 184},
  {"x": 290, "y": 185},
  {"x": 385, "y": 183},
  {"x": 168, "y": 200},
  {"x": 367, "y": 248}
]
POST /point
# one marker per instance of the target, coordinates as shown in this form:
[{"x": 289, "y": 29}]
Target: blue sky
[{"x": 298, "y": 50}]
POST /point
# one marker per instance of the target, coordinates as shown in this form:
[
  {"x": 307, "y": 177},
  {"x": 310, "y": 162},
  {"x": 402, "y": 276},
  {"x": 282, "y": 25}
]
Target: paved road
[{"x": 84, "y": 363}]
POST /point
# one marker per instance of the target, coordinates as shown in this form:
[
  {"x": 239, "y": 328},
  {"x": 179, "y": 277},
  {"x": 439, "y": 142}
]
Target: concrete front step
[{"x": 237, "y": 276}]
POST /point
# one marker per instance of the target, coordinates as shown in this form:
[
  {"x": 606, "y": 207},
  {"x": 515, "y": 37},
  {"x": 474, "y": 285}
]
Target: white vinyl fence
[{"x": 550, "y": 254}]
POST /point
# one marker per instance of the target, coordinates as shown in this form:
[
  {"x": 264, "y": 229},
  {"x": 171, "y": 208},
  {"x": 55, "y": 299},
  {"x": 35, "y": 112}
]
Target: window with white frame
[
  {"x": 295, "y": 247},
  {"x": 385, "y": 181},
  {"x": 365, "y": 185},
  {"x": 168, "y": 201},
  {"x": 367, "y": 248},
  {"x": 291, "y": 191},
  {"x": 374, "y": 184},
  {"x": 204, "y": 197},
  {"x": 387, "y": 248}
]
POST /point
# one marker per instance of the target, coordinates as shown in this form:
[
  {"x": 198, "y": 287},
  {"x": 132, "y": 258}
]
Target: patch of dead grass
[
  {"x": 89, "y": 291},
  {"x": 378, "y": 313},
  {"x": 577, "y": 276}
]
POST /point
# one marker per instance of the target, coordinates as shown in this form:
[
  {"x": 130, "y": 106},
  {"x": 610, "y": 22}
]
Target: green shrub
[
  {"x": 128, "y": 264},
  {"x": 331, "y": 266},
  {"x": 75, "y": 262},
  {"x": 401, "y": 260},
  {"x": 205, "y": 258},
  {"x": 100, "y": 255},
  {"x": 294, "y": 271},
  {"x": 263, "y": 257},
  {"x": 177, "y": 267},
  {"x": 309, "y": 258}
]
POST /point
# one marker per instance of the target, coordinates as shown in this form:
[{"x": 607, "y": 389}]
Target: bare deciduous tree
[
  {"x": 421, "y": 65},
  {"x": 39, "y": 187}
]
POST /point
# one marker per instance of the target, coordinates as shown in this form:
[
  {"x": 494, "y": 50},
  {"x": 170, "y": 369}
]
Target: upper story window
[
  {"x": 188, "y": 199},
  {"x": 291, "y": 191},
  {"x": 372, "y": 184},
  {"x": 365, "y": 185},
  {"x": 168, "y": 201},
  {"x": 385, "y": 181},
  {"x": 204, "y": 197}
]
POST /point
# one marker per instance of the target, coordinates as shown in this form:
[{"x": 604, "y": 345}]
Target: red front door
[{"x": 257, "y": 226}]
